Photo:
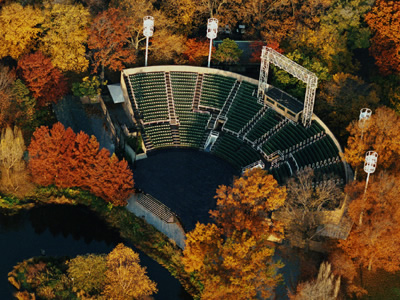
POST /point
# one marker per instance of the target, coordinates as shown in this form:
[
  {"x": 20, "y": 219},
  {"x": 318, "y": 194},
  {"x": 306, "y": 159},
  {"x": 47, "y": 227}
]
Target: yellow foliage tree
[
  {"x": 233, "y": 258},
  {"x": 66, "y": 33},
  {"x": 125, "y": 278},
  {"x": 19, "y": 29}
]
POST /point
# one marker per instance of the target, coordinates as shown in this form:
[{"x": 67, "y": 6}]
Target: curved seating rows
[{"x": 308, "y": 146}]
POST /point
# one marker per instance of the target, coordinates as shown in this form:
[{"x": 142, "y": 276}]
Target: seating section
[
  {"x": 244, "y": 107},
  {"x": 151, "y": 95},
  {"x": 235, "y": 151},
  {"x": 268, "y": 121},
  {"x": 289, "y": 135},
  {"x": 280, "y": 173},
  {"x": 192, "y": 129},
  {"x": 159, "y": 135},
  {"x": 308, "y": 146},
  {"x": 183, "y": 86},
  {"x": 215, "y": 90},
  {"x": 192, "y": 124}
]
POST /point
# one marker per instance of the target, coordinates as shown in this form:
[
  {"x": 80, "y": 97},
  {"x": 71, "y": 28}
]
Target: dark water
[
  {"x": 184, "y": 180},
  {"x": 67, "y": 231}
]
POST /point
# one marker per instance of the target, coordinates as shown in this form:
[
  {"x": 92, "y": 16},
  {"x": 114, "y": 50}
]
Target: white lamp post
[
  {"x": 212, "y": 30},
  {"x": 148, "y": 29},
  {"x": 365, "y": 114},
  {"x": 371, "y": 158}
]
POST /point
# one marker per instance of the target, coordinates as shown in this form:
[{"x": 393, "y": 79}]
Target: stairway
[
  {"x": 170, "y": 98},
  {"x": 197, "y": 92},
  {"x": 249, "y": 126}
]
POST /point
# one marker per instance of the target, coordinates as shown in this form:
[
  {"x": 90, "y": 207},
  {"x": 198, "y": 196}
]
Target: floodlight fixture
[
  {"x": 371, "y": 159},
  {"x": 148, "y": 30},
  {"x": 365, "y": 114},
  {"x": 212, "y": 30}
]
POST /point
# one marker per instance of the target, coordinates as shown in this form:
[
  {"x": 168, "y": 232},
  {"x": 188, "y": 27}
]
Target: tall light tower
[
  {"x": 365, "y": 114},
  {"x": 371, "y": 158},
  {"x": 148, "y": 29},
  {"x": 212, "y": 30}
]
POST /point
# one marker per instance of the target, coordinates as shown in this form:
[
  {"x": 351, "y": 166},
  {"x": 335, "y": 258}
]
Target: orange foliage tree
[
  {"x": 256, "y": 48},
  {"x": 384, "y": 22},
  {"x": 197, "y": 51},
  {"x": 45, "y": 81},
  {"x": 232, "y": 258},
  {"x": 374, "y": 243},
  {"x": 380, "y": 133},
  {"x": 245, "y": 205},
  {"x": 61, "y": 157},
  {"x": 108, "y": 40}
]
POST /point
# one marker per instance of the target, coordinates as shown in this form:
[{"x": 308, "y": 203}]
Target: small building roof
[{"x": 116, "y": 92}]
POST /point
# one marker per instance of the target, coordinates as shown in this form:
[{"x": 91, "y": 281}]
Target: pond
[{"x": 59, "y": 230}]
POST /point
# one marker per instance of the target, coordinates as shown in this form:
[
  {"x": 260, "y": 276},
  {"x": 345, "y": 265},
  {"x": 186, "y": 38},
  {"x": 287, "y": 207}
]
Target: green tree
[{"x": 227, "y": 52}]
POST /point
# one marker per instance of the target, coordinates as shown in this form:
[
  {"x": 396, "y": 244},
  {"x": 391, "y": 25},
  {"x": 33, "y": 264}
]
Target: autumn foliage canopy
[
  {"x": 232, "y": 258},
  {"x": 45, "y": 81},
  {"x": 61, "y": 157}
]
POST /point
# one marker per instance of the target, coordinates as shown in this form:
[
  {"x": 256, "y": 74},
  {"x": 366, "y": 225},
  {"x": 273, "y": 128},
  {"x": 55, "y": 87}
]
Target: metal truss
[{"x": 268, "y": 56}]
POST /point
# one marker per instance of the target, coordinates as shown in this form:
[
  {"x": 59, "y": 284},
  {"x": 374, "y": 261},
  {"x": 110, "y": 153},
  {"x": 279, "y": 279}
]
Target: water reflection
[{"x": 62, "y": 230}]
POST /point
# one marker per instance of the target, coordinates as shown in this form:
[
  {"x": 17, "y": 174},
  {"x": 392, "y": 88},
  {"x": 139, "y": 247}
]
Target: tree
[
  {"x": 125, "y": 278},
  {"x": 381, "y": 134},
  {"x": 7, "y": 77},
  {"x": 373, "y": 243},
  {"x": 65, "y": 28},
  {"x": 343, "y": 97},
  {"x": 45, "y": 81},
  {"x": 384, "y": 22},
  {"x": 135, "y": 10},
  {"x": 61, "y": 157},
  {"x": 14, "y": 178},
  {"x": 325, "y": 286},
  {"x": 50, "y": 155},
  {"x": 232, "y": 258},
  {"x": 256, "y": 49},
  {"x": 19, "y": 29},
  {"x": 197, "y": 51},
  {"x": 88, "y": 273},
  {"x": 305, "y": 202},
  {"x": 167, "y": 47},
  {"x": 228, "y": 52},
  {"x": 180, "y": 13},
  {"x": 246, "y": 204},
  {"x": 108, "y": 40}
]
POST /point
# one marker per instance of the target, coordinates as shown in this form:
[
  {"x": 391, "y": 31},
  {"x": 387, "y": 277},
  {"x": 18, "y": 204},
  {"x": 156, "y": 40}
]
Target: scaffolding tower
[{"x": 268, "y": 56}]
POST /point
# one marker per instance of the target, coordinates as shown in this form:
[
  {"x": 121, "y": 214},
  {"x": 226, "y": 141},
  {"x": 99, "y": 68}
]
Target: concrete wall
[{"x": 172, "y": 230}]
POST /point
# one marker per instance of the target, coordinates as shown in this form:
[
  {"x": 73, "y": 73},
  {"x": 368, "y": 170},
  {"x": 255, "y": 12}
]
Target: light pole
[
  {"x": 148, "y": 29},
  {"x": 212, "y": 29},
  {"x": 365, "y": 114},
  {"x": 371, "y": 158}
]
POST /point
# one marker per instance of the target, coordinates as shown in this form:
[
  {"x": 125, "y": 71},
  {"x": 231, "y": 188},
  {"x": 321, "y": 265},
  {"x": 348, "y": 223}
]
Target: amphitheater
[{"x": 219, "y": 112}]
